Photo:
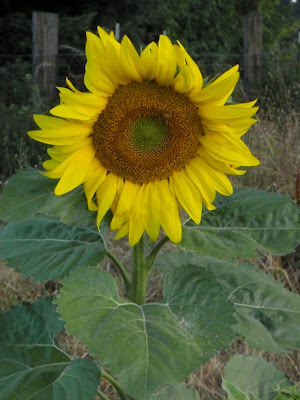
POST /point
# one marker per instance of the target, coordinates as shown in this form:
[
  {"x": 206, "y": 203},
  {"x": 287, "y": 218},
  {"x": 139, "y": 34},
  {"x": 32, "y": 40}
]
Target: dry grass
[{"x": 276, "y": 142}]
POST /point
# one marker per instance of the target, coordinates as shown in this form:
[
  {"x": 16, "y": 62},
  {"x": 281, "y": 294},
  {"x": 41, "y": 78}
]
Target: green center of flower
[
  {"x": 146, "y": 132},
  {"x": 149, "y": 135}
]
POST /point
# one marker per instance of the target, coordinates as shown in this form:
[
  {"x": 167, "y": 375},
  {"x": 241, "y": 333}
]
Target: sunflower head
[{"x": 147, "y": 138}]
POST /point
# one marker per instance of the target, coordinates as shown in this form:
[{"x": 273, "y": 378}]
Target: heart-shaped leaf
[
  {"x": 247, "y": 221},
  {"x": 32, "y": 366},
  {"x": 48, "y": 249},
  {"x": 29, "y": 193},
  {"x": 151, "y": 345},
  {"x": 251, "y": 378},
  {"x": 268, "y": 315}
]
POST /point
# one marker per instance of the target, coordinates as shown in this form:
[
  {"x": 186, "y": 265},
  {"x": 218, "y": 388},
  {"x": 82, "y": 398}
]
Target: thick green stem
[
  {"x": 139, "y": 273},
  {"x": 122, "y": 270},
  {"x": 115, "y": 384}
]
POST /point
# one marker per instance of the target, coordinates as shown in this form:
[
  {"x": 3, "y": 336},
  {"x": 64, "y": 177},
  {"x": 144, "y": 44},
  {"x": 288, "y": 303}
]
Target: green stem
[
  {"x": 139, "y": 273},
  {"x": 102, "y": 395},
  {"x": 151, "y": 257},
  {"x": 122, "y": 270},
  {"x": 115, "y": 384}
]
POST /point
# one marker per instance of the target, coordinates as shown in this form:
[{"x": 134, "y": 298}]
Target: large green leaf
[
  {"x": 268, "y": 315},
  {"x": 179, "y": 391},
  {"x": 29, "y": 193},
  {"x": 246, "y": 221},
  {"x": 154, "y": 344},
  {"x": 48, "y": 249},
  {"x": 251, "y": 378},
  {"x": 32, "y": 366}
]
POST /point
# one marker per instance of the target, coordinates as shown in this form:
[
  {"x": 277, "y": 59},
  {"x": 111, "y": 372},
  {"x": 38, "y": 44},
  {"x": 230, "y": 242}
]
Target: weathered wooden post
[
  {"x": 45, "y": 47},
  {"x": 253, "y": 44}
]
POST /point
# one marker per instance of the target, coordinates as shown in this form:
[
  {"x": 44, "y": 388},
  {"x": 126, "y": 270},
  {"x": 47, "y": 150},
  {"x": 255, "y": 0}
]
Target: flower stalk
[
  {"x": 122, "y": 271},
  {"x": 139, "y": 273}
]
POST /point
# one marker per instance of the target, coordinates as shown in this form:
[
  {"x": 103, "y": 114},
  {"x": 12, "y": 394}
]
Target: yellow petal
[
  {"x": 104, "y": 36},
  {"x": 126, "y": 202},
  {"x": 220, "y": 181},
  {"x": 94, "y": 49},
  {"x": 151, "y": 210},
  {"x": 136, "y": 226},
  {"x": 76, "y": 171},
  {"x": 65, "y": 112},
  {"x": 195, "y": 171},
  {"x": 188, "y": 195},
  {"x": 228, "y": 151},
  {"x": 130, "y": 60},
  {"x": 218, "y": 91},
  {"x": 189, "y": 79},
  {"x": 219, "y": 165},
  {"x": 68, "y": 135},
  {"x": 60, "y": 153},
  {"x": 97, "y": 81},
  {"x": 71, "y": 86},
  {"x": 92, "y": 184},
  {"x": 170, "y": 220},
  {"x": 227, "y": 74},
  {"x": 226, "y": 114},
  {"x": 237, "y": 129},
  {"x": 120, "y": 187},
  {"x": 166, "y": 63},
  {"x": 108, "y": 38},
  {"x": 149, "y": 58},
  {"x": 105, "y": 196},
  {"x": 49, "y": 165},
  {"x": 122, "y": 231},
  {"x": 88, "y": 104},
  {"x": 112, "y": 66},
  {"x": 47, "y": 122}
]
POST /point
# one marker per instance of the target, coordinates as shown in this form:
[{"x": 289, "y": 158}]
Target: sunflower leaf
[
  {"x": 32, "y": 366},
  {"x": 47, "y": 249},
  {"x": 251, "y": 378},
  {"x": 29, "y": 193},
  {"x": 178, "y": 391},
  {"x": 267, "y": 314},
  {"x": 151, "y": 345},
  {"x": 247, "y": 221}
]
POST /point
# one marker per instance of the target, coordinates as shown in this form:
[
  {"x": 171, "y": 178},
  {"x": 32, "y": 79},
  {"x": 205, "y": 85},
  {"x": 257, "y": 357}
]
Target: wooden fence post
[
  {"x": 253, "y": 44},
  {"x": 45, "y": 48}
]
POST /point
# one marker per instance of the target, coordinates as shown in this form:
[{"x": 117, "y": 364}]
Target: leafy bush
[{"x": 17, "y": 149}]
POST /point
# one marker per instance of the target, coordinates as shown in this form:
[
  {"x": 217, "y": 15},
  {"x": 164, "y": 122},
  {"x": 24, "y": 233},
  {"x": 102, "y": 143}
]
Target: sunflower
[{"x": 148, "y": 139}]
